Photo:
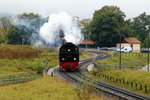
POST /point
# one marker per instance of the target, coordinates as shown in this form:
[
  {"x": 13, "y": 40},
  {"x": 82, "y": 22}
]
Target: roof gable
[{"x": 131, "y": 40}]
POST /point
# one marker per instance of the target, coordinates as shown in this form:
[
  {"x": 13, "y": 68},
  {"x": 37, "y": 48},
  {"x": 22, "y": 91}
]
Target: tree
[
  {"x": 25, "y": 26},
  {"x": 18, "y": 36},
  {"x": 145, "y": 42},
  {"x": 108, "y": 25},
  {"x": 139, "y": 26},
  {"x": 85, "y": 27},
  {"x": 5, "y": 28},
  {"x": 31, "y": 20}
]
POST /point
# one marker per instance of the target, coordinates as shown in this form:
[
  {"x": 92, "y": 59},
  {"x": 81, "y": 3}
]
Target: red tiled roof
[
  {"x": 87, "y": 42},
  {"x": 131, "y": 40}
]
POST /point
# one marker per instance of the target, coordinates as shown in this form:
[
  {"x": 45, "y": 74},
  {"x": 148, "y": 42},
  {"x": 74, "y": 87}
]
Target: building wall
[{"x": 136, "y": 47}]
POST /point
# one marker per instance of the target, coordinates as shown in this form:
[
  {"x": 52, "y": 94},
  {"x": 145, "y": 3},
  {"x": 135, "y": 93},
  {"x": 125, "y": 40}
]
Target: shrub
[{"x": 17, "y": 52}]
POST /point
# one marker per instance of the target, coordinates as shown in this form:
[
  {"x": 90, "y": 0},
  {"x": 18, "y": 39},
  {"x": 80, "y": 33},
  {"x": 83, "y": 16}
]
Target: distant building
[
  {"x": 89, "y": 44},
  {"x": 132, "y": 42}
]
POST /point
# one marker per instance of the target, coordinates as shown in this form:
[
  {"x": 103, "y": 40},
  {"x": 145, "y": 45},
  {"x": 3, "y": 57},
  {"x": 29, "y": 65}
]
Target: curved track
[{"x": 80, "y": 77}]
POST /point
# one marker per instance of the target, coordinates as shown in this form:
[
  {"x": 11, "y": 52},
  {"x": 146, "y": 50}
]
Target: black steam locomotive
[{"x": 69, "y": 57}]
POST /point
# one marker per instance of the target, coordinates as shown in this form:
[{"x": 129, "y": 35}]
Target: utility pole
[
  {"x": 120, "y": 52},
  {"x": 147, "y": 27},
  {"x": 86, "y": 36},
  {"x": 148, "y": 54}
]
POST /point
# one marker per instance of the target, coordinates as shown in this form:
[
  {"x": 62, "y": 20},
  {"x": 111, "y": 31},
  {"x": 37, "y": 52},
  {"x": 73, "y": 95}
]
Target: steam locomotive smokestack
[{"x": 61, "y": 35}]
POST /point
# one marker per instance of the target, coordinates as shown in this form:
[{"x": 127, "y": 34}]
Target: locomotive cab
[{"x": 69, "y": 57}]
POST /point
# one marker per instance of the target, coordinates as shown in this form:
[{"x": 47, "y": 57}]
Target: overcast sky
[{"x": 80, "y": 8}]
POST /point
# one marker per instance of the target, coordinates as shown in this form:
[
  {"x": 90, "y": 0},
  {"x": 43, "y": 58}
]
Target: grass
[
  {"x": 46, "y": 88},
  {"x": 34, "y": 65},
  {"x": 15, "y": 75},
  {"x": 108, "y": 52},
  {"x": 85, "y": 55},
  {"x": 128, "y": 61},
  {"x": 136, "y": 77}
]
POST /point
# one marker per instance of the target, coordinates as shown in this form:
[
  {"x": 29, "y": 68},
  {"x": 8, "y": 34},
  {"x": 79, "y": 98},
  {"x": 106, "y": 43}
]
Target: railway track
[{"x": 79, "y": 77}]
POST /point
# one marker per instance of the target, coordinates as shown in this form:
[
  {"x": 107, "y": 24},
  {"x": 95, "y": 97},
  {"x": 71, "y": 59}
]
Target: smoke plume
[{"x": 49, "y": 32}]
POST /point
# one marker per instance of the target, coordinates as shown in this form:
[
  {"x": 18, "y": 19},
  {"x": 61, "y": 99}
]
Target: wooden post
[
  {"x": 45, "y": 67},
  {"x": 146, "y": 89},
  {"x": 141, "y": 87},
  {"x": 110, "y": 78},
  {"x": 120, "y": 80},
  {"x": 131, "y": 84},
  {"x": 136, "y": 85},
  {"x": 127, "y": 82},
  {"x": 116, "y": 80},
  {"x": 123, "y": 81},
  {"x": 52, "y": 74}
]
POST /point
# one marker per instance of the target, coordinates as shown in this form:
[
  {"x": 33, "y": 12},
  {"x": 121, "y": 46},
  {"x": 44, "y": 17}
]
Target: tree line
[
  {"x": 109, "y": 24},
  {"x": 106, "y": 27},
  {"x": 20, "y": 29}
]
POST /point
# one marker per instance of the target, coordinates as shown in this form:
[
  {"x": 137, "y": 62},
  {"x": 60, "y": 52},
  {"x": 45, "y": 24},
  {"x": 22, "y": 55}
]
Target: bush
[
  {"x": 18, "y": 52},
  {"x": 36, "y": 65}
]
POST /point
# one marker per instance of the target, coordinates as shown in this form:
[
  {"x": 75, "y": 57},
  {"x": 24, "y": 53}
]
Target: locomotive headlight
[{"x": 63, "y": 58}]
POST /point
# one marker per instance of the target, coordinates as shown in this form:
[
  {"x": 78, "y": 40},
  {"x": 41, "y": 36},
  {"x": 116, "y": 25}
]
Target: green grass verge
[
  {"x": 34, "y": 65},
  {"x": 85, "y": 55},
  {"x": 47, "y": 88}
]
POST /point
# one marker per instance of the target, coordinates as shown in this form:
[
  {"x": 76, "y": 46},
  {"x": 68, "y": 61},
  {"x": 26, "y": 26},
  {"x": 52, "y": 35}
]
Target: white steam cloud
[{"x": 49, "y": 32}]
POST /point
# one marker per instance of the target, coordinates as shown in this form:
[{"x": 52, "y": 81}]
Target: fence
[
  {"x": 104, "y": 67},
  {"x": 14, "y": 80},
  {"x": 129, "y": 54},
  {"x": 130, "y": 84}
]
